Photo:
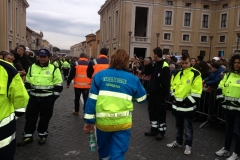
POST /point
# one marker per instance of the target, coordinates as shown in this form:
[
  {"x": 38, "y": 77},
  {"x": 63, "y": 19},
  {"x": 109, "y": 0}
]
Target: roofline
[
  {"x": 103, "y": 6},
  {"x": 25, "y": 1}
]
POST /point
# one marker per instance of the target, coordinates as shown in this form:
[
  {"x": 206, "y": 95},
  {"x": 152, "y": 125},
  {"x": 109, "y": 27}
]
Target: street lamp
[
  {"x": 238, "y": 36},
  {"x": 211, "y": 37},
  {"x": 130, "y": 33},
  {"x": 158, "y": 34}
]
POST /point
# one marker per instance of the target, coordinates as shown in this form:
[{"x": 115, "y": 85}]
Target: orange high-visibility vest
[
  {"x": 98, "y": 67},
  {"x": 81, "y": 80}
]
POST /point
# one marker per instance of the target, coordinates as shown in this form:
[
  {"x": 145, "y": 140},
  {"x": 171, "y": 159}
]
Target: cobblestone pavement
[{"x": 67, "y": 141}]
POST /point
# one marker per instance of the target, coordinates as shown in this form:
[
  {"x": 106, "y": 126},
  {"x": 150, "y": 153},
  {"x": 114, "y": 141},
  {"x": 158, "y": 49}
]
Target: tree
[{"x": 55, "y": 49}]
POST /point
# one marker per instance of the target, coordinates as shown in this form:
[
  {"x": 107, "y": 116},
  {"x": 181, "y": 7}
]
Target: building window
[
  {"x": 167, "y": 36},
  {"x": 10, "y": 14},
  {"x": 109, "y": 28},
  {"x": 205, "y": 6},
  {"x": 10, "y": 45},
  {"x": 202, "y": 53},
  {"x": 205, "y": 21},
  {"x": 103, "y": 30},
  {"x": 116, "y": 24},
  {"x": 187, "y": 18},
  {"x": 225, "y": 5},
  {"x": 203, "y": 38},
  {"x": 168, "y": 18},
  {"x": 17, "y": 20},
  {"x": 222, "y": 39},
  {"x": 169, "y": 3},
  {"x": 188, "y": 5},
  {"x": 184, "y": 51},
  {"x": 185, "y": 37},
  {"x": 224, "y": 20},
  {"x": 239, "y": 18}
]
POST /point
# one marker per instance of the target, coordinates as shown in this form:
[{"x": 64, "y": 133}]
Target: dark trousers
[
  {"x": 78, "y": 92},
  {"x": 8, "y": 152},
  {"x": 157, "y": 113},
  {"x": 182, "y": 123},
  {"x": 38, "y": 107},
  {"x": 232, "y": 120},
  {"x": 65, "y": 72}
]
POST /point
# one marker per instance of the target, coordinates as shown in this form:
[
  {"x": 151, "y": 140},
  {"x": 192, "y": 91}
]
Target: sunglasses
[{"x": 42, "y": 56}]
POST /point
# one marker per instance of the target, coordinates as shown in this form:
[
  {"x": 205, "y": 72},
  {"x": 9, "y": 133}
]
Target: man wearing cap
[
  {"x": 96, "y": 65},
  {"x": 44, "y": 84}
]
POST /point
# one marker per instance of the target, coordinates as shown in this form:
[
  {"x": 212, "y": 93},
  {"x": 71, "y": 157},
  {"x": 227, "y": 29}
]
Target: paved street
[{"x": 67, "y": 141}]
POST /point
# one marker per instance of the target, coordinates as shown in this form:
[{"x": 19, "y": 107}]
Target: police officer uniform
[
  {"x": 43, "y": 82},
  {"x": 159, "y": 86},
  {"x": 13, "y": 100}
]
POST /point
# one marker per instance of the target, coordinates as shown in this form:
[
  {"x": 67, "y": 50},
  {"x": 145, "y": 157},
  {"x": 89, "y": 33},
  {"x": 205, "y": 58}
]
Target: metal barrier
[{"x": 203, "y": 106}]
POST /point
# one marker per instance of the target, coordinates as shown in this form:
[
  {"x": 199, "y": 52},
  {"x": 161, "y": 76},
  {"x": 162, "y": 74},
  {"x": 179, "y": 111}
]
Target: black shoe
[
  {"x": 25, "y": 141},
  {"x": 41, "y": 140},
  {"x": 150, "y": 133},
  {"x": 159, "y": 137}
]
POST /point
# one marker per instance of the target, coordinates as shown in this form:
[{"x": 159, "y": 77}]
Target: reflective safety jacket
[
  {"x": 13, "y": 102},
  {"x": 65, "y": 65},
  {"x": 186, "y": 90},
  {"x": 96, "y": 65},
  {"x": 44, "y": 81},
  {"x": 110, "y": 99},
  {"x": 81, "y": 80},
  {"x": 228, "y": 92},
  {"x": 55, "y": 63}
]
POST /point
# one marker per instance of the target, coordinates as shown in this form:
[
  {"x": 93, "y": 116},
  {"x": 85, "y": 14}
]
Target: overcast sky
[{"x": 64, "y": 22}]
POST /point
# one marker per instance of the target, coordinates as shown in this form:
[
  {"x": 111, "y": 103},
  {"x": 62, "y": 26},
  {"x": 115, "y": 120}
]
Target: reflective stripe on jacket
[
  {"x": 98, "y": 67},
  {"x": 186, "y": 88},
  {"x": 110, "y": 99},
  {"x": 228, "y": 91},
  {"x": 13, "y": 101},
  {"x": 81, "y": 80},
  {"x": 43, "y": 81}
]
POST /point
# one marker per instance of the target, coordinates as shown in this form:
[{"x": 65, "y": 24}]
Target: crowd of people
[
  {"x": 190, "y": 78},
  {"x": 109, "y": 89}
]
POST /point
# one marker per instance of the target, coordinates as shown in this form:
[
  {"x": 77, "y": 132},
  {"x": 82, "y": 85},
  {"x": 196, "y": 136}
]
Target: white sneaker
[
  {"x": 234, "y": 156},
  {"x": 223, "y": 152},
  {"x": 174, "y": 145},
  {"x": 188, "y": 150}
]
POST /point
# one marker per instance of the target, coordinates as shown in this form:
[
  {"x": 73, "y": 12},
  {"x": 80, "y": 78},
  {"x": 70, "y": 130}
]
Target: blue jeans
[
  {"x": 232, "y": 120},
  {"x": 182, "y": 123},
  {"x": 113, "y": 144}
]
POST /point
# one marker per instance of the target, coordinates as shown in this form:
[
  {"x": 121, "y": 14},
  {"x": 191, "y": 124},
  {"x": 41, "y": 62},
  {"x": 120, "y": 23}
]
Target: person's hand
[
  {"x": 67, "y": 86},
  {"x": 205, "y": 85},
  {"x": 22, "y": 73},
  {"x": 88, "y": 127}
]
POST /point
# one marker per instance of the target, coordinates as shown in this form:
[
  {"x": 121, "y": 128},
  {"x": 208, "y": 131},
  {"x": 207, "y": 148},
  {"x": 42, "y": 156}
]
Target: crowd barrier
[{"x": 202, "y": 107}]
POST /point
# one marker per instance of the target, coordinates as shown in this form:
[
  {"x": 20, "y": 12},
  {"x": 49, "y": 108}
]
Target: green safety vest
[
  {"x": 43, "y": 80},
  {"x": 13, "y": 100},
  {"x": 230, "y": 86},
  {"x": 186, "y": 83}
]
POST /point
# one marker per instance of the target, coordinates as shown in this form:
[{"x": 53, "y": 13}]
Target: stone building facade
[
  {"x": 34, "y": 39},
  {"x": 13, "y": 23},
  {"x": 76, "y": 50},
  {"x": 90, "y": 46},
  {"x": 199, "y": 27}
]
